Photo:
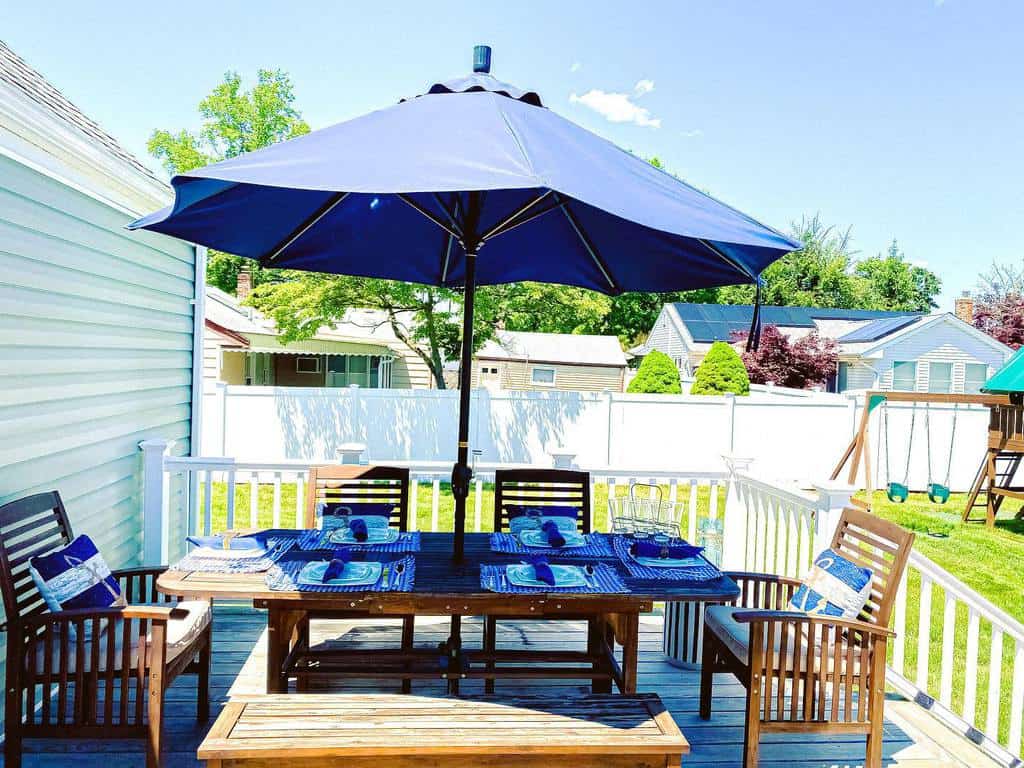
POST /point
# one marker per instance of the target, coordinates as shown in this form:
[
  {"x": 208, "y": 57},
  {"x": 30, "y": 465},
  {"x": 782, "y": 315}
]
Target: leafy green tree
[
  {"x": 657, "y": 375},
  {"x": 721, "y": 371},
  {"x": 426, "y": 319},
  {"x": 891, "y": 282},
  {"x": 547, "y": 308},
  {"x": 234, "y": 121}
]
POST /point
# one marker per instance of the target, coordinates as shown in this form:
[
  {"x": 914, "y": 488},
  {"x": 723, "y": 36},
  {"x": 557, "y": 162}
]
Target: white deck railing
[{"x": 964, "y": 661}]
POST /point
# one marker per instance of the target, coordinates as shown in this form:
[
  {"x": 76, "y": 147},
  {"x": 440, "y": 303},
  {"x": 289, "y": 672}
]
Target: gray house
[
  {"x": 97, "y": 324},
  {"x": 909, "y": 351}
]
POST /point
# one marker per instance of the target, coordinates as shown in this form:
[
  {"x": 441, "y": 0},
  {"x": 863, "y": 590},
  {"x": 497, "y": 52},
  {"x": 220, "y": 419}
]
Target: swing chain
[
  {"x": 952, "y": 439},
  {"x": 910, "y": 444}
]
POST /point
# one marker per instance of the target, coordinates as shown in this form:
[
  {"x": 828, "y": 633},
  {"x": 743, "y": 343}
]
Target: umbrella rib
[
  {"x": 533, "y": 215},
  {"x": 587, "y": 244},
  {"x": 738, "y": 266},
  {"x": 332, "y": 202},
  {"x": 504, "y": 225},
  {"x": 426, "y": 213}
]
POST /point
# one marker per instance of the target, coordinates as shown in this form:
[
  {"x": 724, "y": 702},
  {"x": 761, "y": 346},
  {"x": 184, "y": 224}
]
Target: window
[
  {"x": 940, "y": 377},
  {"x": 975, "y": 376},
  {"x": 346, "y": 370},
  {"x": 904, "y": 376},
  {"x": 843, "y": 377},
  {"x": 307, "y": 365},
  {"x": 543, "y": 376}
]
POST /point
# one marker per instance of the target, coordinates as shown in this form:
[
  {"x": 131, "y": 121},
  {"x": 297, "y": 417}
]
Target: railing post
[
  {"x": 351, "y": 453},
  {"x": 833, "y": 498},
  {"x": 734, "y": 521},
  {"x": 156, "y": 514},
  {"x": 563, "y": 458}
]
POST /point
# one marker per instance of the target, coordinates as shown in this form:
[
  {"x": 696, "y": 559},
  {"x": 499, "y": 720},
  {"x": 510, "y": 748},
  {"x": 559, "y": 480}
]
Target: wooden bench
[{"x": 401, "y": 731}]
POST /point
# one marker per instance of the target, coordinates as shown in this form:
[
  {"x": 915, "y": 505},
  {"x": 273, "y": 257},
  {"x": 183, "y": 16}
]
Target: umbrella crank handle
[{"x": 461, "y": 477}]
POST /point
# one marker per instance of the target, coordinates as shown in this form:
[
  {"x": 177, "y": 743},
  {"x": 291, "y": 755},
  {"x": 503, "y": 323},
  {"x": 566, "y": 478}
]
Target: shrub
[
  {"x": 722, "y": 371},
  {"x": 658, "y": 375}
]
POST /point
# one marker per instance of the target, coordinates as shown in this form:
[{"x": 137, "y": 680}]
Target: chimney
[
  {"x": 243, "y": 283},
  {"x": 963, "y": 308}
]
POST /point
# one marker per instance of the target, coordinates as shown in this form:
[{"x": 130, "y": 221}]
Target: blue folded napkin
[
  {"x": 236, "y": 542},
  {"x": 336, "y": 567},
  {"x": 358, "y": 528},
  {"x": 676, "y": 552},
  {"x": 542, "y": 571},
  {"x": 555, "y": 537}
]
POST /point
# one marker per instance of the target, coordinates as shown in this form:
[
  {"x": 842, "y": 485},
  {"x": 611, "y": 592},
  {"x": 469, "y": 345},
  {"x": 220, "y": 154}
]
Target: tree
[
  {"x": 657, "y": 375},
  {"x": 1002, "y": 318},
  {"x": 547, "y": 308},
  {"x": 893, "y": 283},
  {"x": 426, "y": 319},
  {"x": 234, "y": 121},
  {"x": 721, "y": 371},
  {"x": 799, "y": 364},
  {"x": 999, "y": 281}
]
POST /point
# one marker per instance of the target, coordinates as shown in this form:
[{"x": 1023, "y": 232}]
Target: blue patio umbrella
[{"x": 473, "y": 183}]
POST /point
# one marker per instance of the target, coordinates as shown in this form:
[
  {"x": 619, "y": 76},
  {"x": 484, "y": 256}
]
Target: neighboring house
[
  {"x": 940, "y": 352},
  {"x": 545, "y": 361},
  {"x": 97, "y": 324},
  {"x": 241, "y": 346}
]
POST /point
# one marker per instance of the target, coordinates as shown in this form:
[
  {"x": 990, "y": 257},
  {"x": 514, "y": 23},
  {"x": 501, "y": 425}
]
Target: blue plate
[
  {"x": 354, "y": 575},
  {"x": 670, "y": 562},
  {"x": 535, "y": 538},
  {"x": 373, "y": 536},
  {"x": 566, "y": 576}
]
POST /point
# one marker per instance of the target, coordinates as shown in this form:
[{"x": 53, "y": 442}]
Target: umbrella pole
[{"x": 461, "y": 473}]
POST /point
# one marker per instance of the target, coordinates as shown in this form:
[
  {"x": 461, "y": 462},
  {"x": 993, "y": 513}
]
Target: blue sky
[{"x": 900, "y": 119}]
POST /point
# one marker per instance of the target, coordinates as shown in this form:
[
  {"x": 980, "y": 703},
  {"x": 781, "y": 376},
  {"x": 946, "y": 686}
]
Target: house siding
[
  {"x": 939, "y": 343},
  {"x": 96, "y": 334},
  {"x": 517, "y": 375},
  {"x": 665, "y": 337}
]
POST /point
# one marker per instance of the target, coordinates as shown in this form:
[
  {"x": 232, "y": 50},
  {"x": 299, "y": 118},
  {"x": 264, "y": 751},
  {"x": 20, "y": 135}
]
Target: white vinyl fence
[{"x": 792, "y": 435}]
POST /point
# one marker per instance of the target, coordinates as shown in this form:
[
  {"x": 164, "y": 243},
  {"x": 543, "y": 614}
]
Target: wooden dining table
[{"x": 444, "y": 587}]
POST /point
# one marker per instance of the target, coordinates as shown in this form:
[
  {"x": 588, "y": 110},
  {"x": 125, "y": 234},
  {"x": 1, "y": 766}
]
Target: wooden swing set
[{"x": 994, "y": 478}]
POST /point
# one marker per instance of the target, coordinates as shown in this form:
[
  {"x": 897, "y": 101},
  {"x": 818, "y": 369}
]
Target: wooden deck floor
[{"x": 238, "y": 671}]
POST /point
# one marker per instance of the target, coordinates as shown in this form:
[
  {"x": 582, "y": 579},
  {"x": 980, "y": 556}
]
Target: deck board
[{"x": 239, "y": 667}]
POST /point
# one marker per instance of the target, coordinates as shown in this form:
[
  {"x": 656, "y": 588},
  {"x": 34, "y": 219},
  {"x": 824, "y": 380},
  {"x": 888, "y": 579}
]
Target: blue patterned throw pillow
[
  {"x": 75, "y": 576},
  {"x": 834, "y": 586}
]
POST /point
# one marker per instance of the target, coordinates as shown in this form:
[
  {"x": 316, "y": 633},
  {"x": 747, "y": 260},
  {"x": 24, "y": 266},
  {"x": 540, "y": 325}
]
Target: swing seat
[
  {"x": 897, "y": 492},
  {"x": 938, "y": 493}
]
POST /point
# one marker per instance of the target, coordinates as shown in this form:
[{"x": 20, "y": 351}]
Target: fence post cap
[
  {"x": 155, "y": 444},
  {"x": 737, "y": 463},
  {"x": 833, "y": 493}
]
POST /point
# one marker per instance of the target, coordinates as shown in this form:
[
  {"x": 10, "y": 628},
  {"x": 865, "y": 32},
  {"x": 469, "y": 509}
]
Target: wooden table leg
[
  {"x": 277, "y": 649},
  {"x": 596, "y": 650},
  {"x": 454, "y": 641},
  {"x": 629, "y": 639}
]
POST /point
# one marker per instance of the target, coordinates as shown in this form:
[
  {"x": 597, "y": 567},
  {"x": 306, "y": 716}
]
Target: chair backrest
[
  {"x": 29, "y": 527},
  {"x": 541, "y": 488},
  {"x": 356, "y": 484},
  {"x": 880, "y": 545}
]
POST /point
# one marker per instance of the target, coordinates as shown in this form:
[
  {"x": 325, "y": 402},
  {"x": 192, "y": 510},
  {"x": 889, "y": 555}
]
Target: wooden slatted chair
[
  {"x": 533, "y": 488},
  {"x": 352, "y": 485},
  {"x": 835, "y": 668},
  {"x": 72, "y": 673}
]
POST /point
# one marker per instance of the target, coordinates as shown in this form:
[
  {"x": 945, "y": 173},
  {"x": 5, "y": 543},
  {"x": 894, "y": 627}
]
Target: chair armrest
[
  {"x": 796, "y": 617},
  {"x": 139, "y": 584},
  {"x": 763, "y": 590},
  {"x": 143, "y": 570},
  {"x": 72, "y": 616}
]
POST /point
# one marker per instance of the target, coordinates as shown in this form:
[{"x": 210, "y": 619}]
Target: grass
[{"x": 990, "y": 561}]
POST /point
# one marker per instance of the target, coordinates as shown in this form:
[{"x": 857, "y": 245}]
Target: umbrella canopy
[{"x": 474, "y": 182}]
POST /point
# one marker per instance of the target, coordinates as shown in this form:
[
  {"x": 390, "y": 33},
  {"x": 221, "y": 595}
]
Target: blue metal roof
[
  {"x": 877, "y": 329},
  {"x": 718, "y": 322}
]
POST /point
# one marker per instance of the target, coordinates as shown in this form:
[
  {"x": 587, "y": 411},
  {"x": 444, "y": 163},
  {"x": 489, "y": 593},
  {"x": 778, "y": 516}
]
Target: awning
[{"x": 268, "y": 343}]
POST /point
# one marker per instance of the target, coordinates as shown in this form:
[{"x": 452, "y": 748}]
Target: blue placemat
[
  {"x": 597, "y": 546},
  {"x": 605, "y": 581},
  {"x": 285, "y": 578},
  {"x": 279, "y": 546},
  {"x": 706, "y": 572},
  {"x": 317, "y": 540}
]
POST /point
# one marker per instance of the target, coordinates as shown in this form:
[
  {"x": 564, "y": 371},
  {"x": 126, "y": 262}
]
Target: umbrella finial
[{"x": 482, "y": 59}]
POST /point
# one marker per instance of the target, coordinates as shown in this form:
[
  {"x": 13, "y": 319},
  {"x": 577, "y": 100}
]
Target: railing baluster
[
  {"x": 713, "y": 500},
  {"x": 946, "y": 663},
  {"x": 208, "y": 502},
  {"x": 995, "y": 682},
  {"x": 435, "y": 503},
  {"x": 478, "y": 504},
  {"x": 300, "y": 498},
  {"x": 277, "y": 500},
  {"x": 691, "y": 523},
  {"x": 231, "y": 499},
  {"x": 899, "y": 626},
  {"x": 924, "y": 632},
  {"x": 793, "y": 541},
  {"x": 771, "y": 538},
  {"x": 414, "y": 485},
  {"x": 1017, "y": 698},
  {"x": 254, "y": 501},
  {"x": 971, "y": 669},
  {"x": 593, "y": 508}
]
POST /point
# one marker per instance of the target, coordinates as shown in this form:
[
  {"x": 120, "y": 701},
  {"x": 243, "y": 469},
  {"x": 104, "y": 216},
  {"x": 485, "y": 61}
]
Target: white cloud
[
  {"x": 576, "y": 67},
  {"x": 643, "y": 86},
  {"x": 692, "y": 134},
  {"x": 620, "y": 107}
]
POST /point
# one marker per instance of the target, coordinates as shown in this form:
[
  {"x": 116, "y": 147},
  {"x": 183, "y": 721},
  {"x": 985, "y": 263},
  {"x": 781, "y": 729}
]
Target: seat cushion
[{"x": 181, "y": 633}]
